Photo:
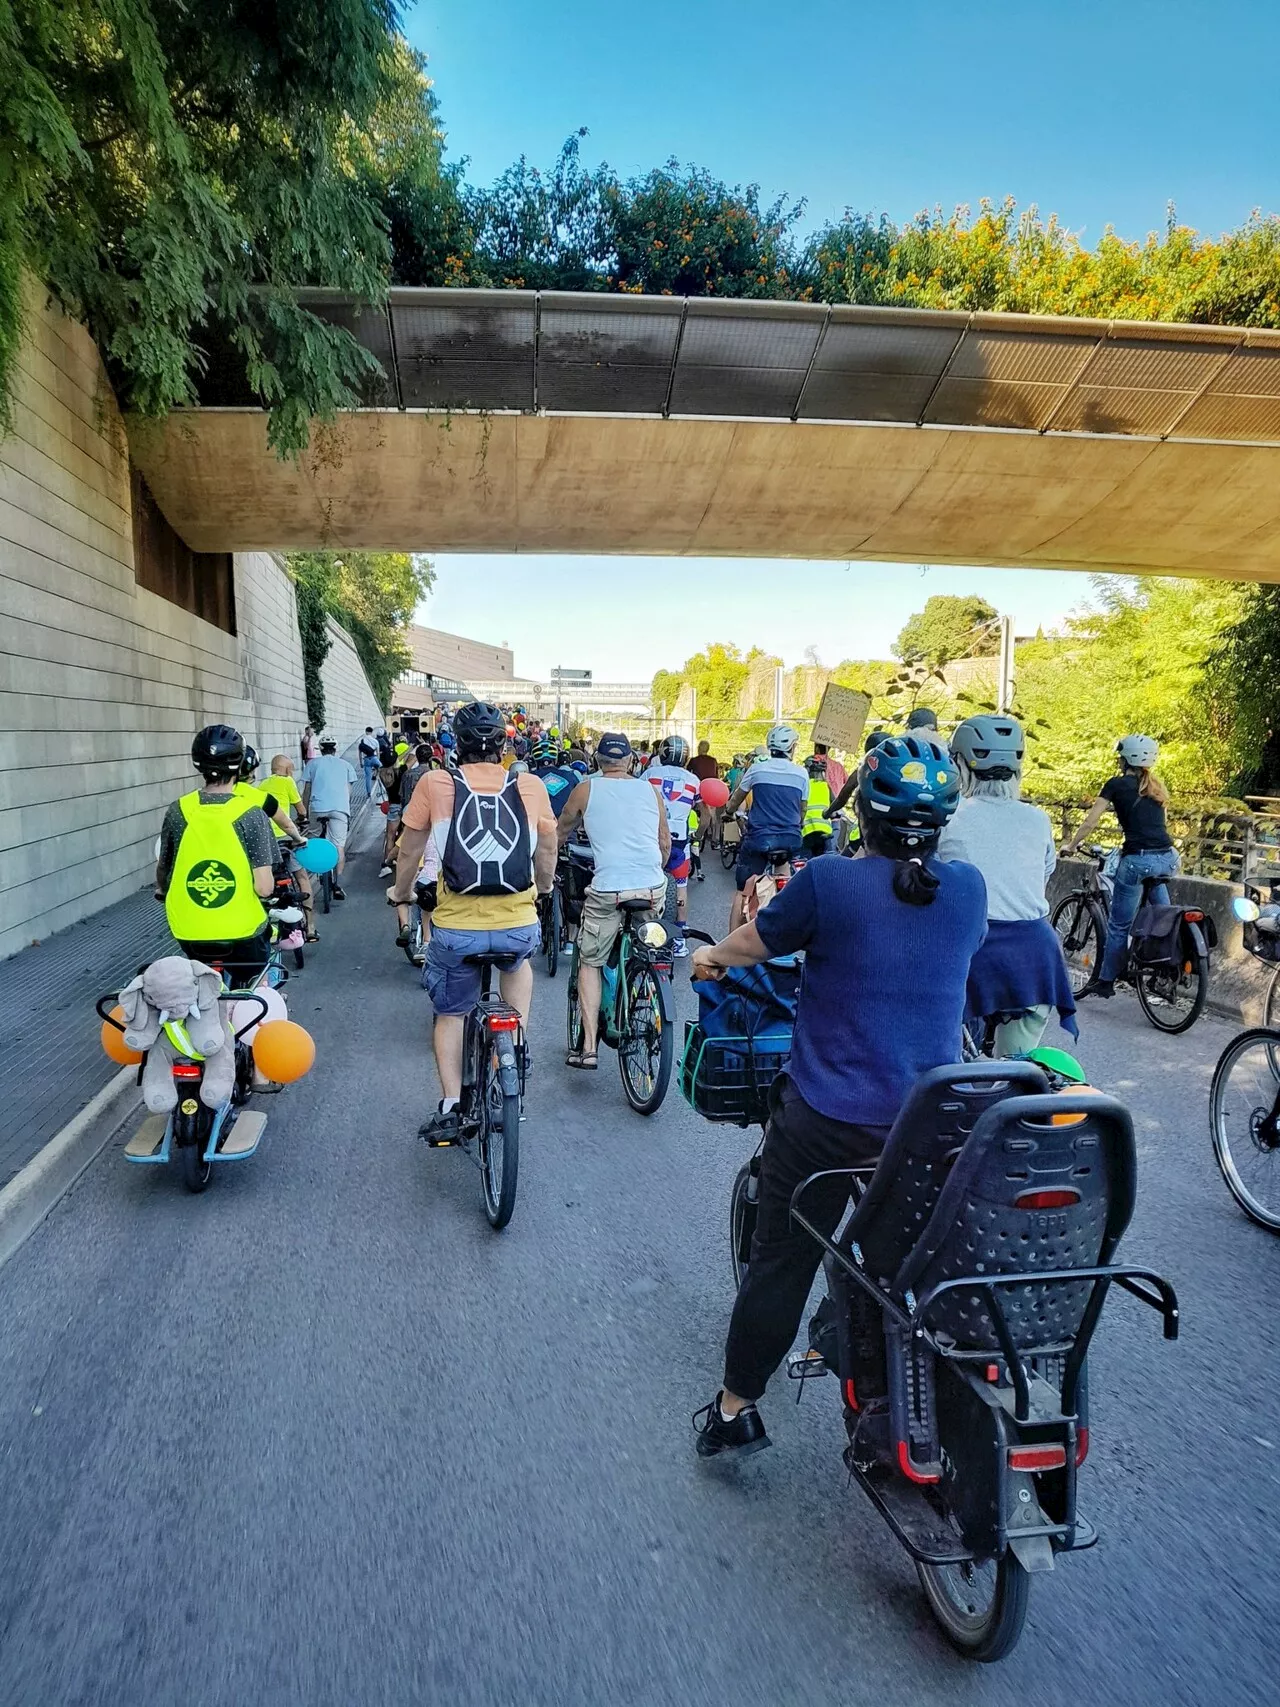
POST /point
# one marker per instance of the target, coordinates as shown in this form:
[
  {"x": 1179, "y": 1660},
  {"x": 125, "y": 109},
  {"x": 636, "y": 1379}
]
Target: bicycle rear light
[
  {"x": 504, "y": 1022},
  {"x": 1037, "y": 1457},
  {"x": 185, "y": 1070},
  {"x": 1060, "y": 1197}
]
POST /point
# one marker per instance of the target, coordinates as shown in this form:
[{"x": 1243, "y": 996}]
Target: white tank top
[{"x": 622, "y": 826}]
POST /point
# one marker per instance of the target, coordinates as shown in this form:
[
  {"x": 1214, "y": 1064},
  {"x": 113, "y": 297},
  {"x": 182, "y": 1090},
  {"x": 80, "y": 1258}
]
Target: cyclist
[
  {"x": 214, "y": 868},
  {"x": 368, "y": 758},
  {"x": 558, "y": 775},
  {"x": 678, "y": 786},
  {"x": 326, "y": 794},
  {"x": 779, "y": 790},
  {"x": 1138, "y": 798},
  {"x": 888, "y": 939},
  {"x": 495, "y": 837},
  {"x": 1018, "y": 976},
  {"x": 272, "y": 797},
  {"x": 817, "y": 814},
  {"x": 631, "y": 843}
]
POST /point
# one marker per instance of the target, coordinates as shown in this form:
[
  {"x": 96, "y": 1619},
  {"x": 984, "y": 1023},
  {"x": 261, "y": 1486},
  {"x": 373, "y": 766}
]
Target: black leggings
[{"x": 784, "y": 1258}]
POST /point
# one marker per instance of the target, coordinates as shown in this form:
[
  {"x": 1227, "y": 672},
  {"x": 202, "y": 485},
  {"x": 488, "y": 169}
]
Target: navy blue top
[
  {"x": 560, "y": 782},
  {"x": 884, "y": 982},
  {"x": 779, "y": 791}
]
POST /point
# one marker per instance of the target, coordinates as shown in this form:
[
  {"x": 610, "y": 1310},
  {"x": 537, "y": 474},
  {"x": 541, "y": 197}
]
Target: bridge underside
[{"x": 510, "y": 421}]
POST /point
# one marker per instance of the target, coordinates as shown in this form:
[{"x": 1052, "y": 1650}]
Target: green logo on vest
[{"x": 212, "y": 884}]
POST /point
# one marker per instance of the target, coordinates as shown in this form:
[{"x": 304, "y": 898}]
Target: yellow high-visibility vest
[
  {"x": 211, "y": 897},
  {"x": 819, "y": 800}
]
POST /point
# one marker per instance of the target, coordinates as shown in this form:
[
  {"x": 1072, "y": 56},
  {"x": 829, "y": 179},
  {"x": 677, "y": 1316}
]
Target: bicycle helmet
[
  {"x": 249, "y": 763},
  {"x": 328, "y": 744},
  {"x": 1140, "y": 751},
  {"x": 581, "y": 766},
  {"x": 909, "y": 788},
  {"x": 923, "y": 717},
  {"x": 218, "y": 750},
  {"x": 781, "y": 741},
  {"x": 674, "y": 750},
  {"x": 992, "y": 747},
  {"x": 446, "y": 738},
  {"x": 480, "y": 730},
  {"x": 875, "y": 738}
]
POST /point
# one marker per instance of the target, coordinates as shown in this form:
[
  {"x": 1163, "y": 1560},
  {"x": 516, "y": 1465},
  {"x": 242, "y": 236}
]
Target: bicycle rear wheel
[
  {"x": 744, "y": 1206},
  {"x": 1244, "y": 1103},
  {"x": 728, "y": 853},
  {"x": 499, "y": 1143},
  {"x": 1172, "y": 997},
  {"x": 1271, "y": 1012},
  {"x": 1082, "y": 931},
  {"x": 647, "y": 1047},
  {"x": 573, "y": 1026},
  {"x": 553, "y": 929}
]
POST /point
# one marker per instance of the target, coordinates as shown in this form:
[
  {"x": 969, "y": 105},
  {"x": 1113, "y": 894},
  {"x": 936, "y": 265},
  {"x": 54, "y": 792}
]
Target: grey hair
[{"x": 987, "y": 788}]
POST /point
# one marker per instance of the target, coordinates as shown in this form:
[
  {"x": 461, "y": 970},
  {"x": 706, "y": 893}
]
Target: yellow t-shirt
[{"x": 286, "y": 792}]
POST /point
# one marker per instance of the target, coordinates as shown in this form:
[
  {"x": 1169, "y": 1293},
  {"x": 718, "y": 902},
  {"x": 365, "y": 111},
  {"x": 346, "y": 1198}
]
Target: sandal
[{"x": 582, "y": 1061}]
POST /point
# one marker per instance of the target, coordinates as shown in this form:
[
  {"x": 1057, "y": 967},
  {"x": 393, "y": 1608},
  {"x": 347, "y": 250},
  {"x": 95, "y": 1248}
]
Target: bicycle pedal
[{"x": 807, "y": 1366}]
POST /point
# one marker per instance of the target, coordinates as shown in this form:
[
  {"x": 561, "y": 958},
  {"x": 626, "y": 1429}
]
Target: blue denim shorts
[{"x": 454, "y": 988}]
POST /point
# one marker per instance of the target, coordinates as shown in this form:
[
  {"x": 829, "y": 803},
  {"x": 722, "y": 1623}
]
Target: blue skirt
[{"x": 1020, "y": 966}]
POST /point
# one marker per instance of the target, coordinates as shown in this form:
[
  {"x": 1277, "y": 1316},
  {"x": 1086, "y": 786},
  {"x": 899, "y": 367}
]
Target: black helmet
[
  {"x": 673, "y": 751},
  {"x": 218, "y": 750},
  {"x": 249, "y": 763},
  {"x": 480, "y": 730}
]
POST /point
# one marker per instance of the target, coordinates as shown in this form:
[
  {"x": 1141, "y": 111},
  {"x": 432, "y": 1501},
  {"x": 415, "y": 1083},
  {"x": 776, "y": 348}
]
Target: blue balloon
[{"x": 318, "y": 855}]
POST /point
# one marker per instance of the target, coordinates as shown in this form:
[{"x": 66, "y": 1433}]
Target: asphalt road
[{"x": 321, "y": 1437}]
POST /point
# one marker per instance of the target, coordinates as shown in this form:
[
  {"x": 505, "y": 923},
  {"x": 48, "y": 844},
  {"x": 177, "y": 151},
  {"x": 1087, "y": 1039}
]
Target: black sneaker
[
  {"x": 716, "y": 1433},
  {"x": 338, "y": 894},
  {"x": 1105, "y": 987},
  {"x": 441, "y": 1130}
]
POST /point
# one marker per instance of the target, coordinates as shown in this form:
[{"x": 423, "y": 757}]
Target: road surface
[{"x": 321, "y": 1437}]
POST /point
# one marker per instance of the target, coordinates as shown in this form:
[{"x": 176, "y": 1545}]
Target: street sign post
[{"x": 842, "y": 717}]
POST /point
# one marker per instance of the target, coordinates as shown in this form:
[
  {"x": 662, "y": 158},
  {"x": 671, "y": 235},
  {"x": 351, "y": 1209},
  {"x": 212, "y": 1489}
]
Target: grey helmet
[
  {"x": 782, "y": 741},
  {"x": 1140, "y": 751},
  {"x": 991, "y": 746}
]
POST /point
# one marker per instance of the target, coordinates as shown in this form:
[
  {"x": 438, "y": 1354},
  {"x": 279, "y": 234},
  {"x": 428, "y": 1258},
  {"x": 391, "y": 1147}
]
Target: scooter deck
[
  {"x": 147, "y": 1143},
  {"x": 241, "y": 1140}
]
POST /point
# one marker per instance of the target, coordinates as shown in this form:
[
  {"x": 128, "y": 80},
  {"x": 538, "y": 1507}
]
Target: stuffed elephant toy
[{"x": 176, "y": 988}]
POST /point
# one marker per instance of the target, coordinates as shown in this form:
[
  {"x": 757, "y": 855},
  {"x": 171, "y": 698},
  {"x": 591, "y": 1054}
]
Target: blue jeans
[
  {"x": 370, "y": 766},
  {"x": 1124, "y": 902}
]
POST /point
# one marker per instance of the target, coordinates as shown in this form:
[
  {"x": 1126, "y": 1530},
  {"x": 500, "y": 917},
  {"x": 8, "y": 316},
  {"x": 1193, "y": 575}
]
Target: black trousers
[
  {"x": 243, "y": 962},
  {"x": 784, "y": 1258}
]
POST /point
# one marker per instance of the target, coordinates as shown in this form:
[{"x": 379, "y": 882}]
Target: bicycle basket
[{"x": 727, "y": 1079}]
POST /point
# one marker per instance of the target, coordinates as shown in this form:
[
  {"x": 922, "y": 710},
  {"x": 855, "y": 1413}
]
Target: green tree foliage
[
  {"x": 173, "y": 172},
  {"x": 373, "y": 594},
  {"x": 1240, "y": 695},
  {"x": 949, "y": 627}
]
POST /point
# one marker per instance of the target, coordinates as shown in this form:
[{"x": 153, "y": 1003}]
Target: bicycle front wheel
[
  {"x": 1244, "y": 1122},
  {"x": 981, "y": 1605},
  {"x": 744, "y": 1206},
  {"x": 499, "y": 1144},
  {"x": 554, "y": 927},
  {"x": 647, "y": 1046},
  {"x": 1271, "y": 1012},
  {"x": 1082, "y": 931},
  {"x": 573, "y": 1026},
  {"x": 1173, "y": 997}
]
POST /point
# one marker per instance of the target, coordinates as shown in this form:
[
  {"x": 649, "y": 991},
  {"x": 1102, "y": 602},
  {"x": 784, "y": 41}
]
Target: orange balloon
[
  {"x": 283, "y": 1051},
  {"x": 114, "y": 1044}
]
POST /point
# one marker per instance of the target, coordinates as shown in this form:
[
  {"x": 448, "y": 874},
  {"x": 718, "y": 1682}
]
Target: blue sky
[{"x": 1101, "y": 113}]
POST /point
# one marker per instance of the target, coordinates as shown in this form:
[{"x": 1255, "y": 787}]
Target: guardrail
[{"x": 1232, "y": 844}]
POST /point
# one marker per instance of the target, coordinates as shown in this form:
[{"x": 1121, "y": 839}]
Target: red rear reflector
[
  {"x": 993, "y": 1372},
  {"x": 1197, "y": 918},
  {"x": 182, "y": 1070},
  {"x": 504, "y": 1022},
  {"x": 1082, "y": 1446},
  {"x": 1037, "y": 1457},
  {"x": 1059, "y": 1198},
  {"x": 850, "y": 1396},
  {"x": 908, "y": 1468}
]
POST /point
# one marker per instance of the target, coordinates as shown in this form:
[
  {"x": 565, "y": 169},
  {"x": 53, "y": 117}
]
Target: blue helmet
[
  {"x": 581, "y": 766},
  {"x": 446, "y": 738},
  {"x": 910, "y": 785}
]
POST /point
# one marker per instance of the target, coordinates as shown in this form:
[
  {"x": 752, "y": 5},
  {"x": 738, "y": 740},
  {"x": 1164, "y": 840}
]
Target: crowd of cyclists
[{"x": 933, "y": 915}]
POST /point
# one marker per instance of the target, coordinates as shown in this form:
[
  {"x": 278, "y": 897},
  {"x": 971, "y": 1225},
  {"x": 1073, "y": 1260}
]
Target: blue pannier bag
[{"x": 740, "y": 1041}]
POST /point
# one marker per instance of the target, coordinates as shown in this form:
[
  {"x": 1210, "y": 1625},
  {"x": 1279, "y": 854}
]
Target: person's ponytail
[
  {"x": 914, "y": 883},
  {"x": 1150, "y": 786}
]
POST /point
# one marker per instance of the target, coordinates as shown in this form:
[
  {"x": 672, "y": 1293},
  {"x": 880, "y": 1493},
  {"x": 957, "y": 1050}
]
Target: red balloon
[{"x": 714, "y": 792}]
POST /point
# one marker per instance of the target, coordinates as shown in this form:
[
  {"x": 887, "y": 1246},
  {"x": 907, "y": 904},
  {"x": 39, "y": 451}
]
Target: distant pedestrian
[
  {"x": 310, "y": 746},
  {"x": 368, "y": 758}
]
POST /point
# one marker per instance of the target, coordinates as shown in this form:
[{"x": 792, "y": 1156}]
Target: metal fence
[{"x": 1231, "y": 843}]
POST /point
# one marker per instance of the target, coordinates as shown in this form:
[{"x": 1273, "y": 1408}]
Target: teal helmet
[{"x": 910, "y": 787}]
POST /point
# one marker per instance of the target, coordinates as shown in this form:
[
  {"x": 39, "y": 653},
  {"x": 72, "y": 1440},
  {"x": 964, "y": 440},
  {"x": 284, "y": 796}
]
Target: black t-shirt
[{"x": 1141, "y": 817}]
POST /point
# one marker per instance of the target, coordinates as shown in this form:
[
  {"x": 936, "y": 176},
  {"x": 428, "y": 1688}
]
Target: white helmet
[
  {"x": 782, "y": 740},
  {"x": 1140, "y": 751}
]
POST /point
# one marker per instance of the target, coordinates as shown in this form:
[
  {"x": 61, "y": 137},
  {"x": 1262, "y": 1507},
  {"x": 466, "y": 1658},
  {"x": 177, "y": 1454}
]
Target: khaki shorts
[{"x": 602, "y": 921}]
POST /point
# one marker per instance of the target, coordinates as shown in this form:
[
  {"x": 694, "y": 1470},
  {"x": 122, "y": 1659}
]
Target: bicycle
[
  {"x": 551, "y": 918},
  {"x": 637, "y": 1009},
  {"x": 730, "y": 840},
  {"x": 1171, "y": 993},
  {"x": 326, "y": 877},
  {"x": 490, "y": 1109},
  {"x": 1244, "y": 1099}
]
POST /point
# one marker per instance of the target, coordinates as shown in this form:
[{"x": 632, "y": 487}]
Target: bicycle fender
[
  {"x": 508, "y": 1071},
  {"x": 666, "y": 1000}
]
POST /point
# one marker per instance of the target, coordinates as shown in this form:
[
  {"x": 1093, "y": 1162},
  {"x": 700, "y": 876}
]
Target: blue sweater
[{"x": 884, "y": 982}]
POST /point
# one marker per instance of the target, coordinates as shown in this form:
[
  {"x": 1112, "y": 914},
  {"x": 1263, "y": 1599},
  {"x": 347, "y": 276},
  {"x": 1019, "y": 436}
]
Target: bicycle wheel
[
  {"x": 413, "y": 949},
  {"x": 326, "y": 891},
  {"x": 573, "y": 1028},
  {"x": 553, "y": 929},
  {"x": 1271, "y": 1009},
  {"x": 1082, "y": 931},
  {"x": 728, "y": 854},
  {"x": 981, "y": 1606},
  {"x": 499, "y": 1143},
  {"x": 196, "y": 1172},
  {"x": 744, "y": 1206},
  {"x": 1244, "y": 1104},
  {"x": 1173, "y": 998},
  {"x": 647, "y": 1046}
]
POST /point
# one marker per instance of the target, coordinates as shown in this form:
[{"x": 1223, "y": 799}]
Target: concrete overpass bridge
[
  {"x": 574, "y": 698},
  {"x": 527, "y": 421}
]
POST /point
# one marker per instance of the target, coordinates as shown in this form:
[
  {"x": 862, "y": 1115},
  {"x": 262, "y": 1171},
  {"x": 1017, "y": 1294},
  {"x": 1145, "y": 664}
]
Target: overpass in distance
[{"x": 541, "y": 421}]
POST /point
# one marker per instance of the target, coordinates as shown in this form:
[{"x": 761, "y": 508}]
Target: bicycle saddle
[
  {"x": 635, "y": 904},
  {"x": 504, "y": 962}
]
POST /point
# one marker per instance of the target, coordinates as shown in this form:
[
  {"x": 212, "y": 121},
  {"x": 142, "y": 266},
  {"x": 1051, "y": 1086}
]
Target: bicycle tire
[
  {"x": 553, "y": 933},
  {"x": 979, "y": 1633},
  {"x": 1271, "y": 1008},
  {"x": 728, "y": 854},
  {"x": 196, "y": 1172},
  {"x": 1225, "y": 1145},
  {"x": 1151, "y": 1002},
  {"x": 644, "y": 1010},
  {"x": 413, "y": 947},
  {"x": 326, "y": 891},
  {"x": 1081, "y": 928},
  {"x": 499, "y": 1144},
  {"x": 742, "y": 1221},
  {"x": 573, "y": 1028},
  {"x": 299, "y": 959}
]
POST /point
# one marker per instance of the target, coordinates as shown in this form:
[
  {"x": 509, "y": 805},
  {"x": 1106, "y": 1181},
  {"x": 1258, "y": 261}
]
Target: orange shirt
[{"x": 431, "y": 805}]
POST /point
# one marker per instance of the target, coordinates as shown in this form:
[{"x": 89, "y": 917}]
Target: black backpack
[
  {"x": 487, "y": 851},
  {"x": 386, "y": 752}
]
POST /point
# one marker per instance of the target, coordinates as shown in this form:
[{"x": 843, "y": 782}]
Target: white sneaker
[
  {"x": 387, "y": 871},
  {"x": 680, "y": 948}
]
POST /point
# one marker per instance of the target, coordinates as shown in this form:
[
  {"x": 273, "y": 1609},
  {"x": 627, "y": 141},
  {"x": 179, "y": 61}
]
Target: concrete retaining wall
[
  {"x": 102, "y": 682},
  {"x": 349, "y": 705}
]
